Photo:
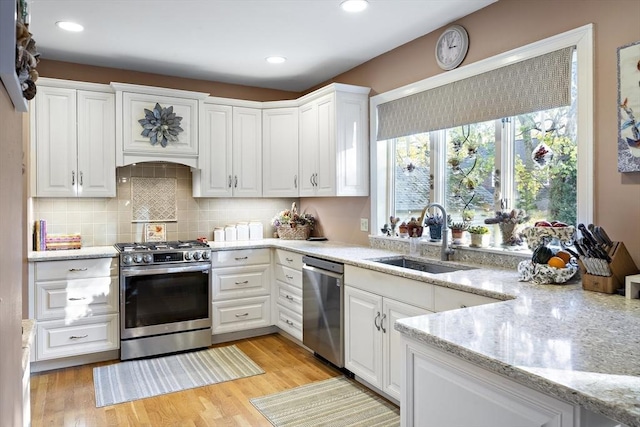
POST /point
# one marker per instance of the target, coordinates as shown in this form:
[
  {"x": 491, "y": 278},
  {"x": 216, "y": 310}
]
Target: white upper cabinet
[
  {"x": 132, "y": 146},
  {"x": 280, "y": 152},
  {"x": 334, "y": 154},
  {"x": 231, "y": 152},
  {"x": 73, "y": 140}
]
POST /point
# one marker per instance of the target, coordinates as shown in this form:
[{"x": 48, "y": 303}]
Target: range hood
[{"x": 135, "y": 103}]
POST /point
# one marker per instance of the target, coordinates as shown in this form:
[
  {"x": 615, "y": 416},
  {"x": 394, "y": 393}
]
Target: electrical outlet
[{"x": 364, "y": 224}]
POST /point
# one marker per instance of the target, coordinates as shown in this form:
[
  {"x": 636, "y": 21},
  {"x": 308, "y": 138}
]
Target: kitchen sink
[{"x": 421, "y": 265}]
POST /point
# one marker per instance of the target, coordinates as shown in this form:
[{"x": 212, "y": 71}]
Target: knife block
[{"x": 621, "y": 266}]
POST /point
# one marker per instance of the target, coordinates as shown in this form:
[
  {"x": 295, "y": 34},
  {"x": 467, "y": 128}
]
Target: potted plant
[
  {"x": 479, "y": 236},
  {"x": 434, "y": 222},
  {"x": 292, "y": 225},
  {"x": 507, "y": 221},
  {"x": 457, "y": 232}
]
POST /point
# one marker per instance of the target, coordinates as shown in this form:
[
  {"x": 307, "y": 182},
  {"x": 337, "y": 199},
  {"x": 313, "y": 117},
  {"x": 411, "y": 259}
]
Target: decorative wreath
[{"x": 161, "y": 125}]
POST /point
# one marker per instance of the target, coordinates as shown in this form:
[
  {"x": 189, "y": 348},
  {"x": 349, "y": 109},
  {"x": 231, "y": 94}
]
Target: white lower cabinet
[
  {"x": 75, "y": 304},
  {"x": 288, "y": 292},
  {"x": 444, "y": 390},
  {"x": 241, "y": 290},
  {"x": 372, "y": 345}
]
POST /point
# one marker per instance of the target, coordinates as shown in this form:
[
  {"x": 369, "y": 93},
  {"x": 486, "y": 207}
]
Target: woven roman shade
[{"x": 535, "y": 84}]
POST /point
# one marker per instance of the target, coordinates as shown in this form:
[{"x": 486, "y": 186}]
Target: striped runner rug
[
  {"x": 137, "y": 379},
  {"x": 336, "y": 402}
]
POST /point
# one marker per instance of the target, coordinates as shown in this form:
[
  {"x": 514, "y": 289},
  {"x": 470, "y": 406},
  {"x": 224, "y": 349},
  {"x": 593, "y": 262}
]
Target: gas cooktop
[{"x": 161, "y": 246}]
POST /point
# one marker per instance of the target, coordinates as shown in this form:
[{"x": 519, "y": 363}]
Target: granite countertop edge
[
  {"x": 28, "y": 334},
  {"x": 491, "y": 282}
]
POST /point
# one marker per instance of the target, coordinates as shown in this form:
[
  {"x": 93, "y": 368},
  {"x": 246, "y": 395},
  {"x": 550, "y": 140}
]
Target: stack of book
[{"x": 39, "y": 235}]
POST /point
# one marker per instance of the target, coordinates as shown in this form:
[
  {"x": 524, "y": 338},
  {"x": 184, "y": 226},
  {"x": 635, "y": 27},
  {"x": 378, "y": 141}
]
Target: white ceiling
[{"x": 228, "y": 40}]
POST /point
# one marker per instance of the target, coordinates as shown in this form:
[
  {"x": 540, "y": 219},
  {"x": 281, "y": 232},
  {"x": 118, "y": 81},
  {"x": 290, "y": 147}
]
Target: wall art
[{"x": 629, "y": 108}]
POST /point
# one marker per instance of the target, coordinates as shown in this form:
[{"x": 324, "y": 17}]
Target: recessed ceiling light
[
  {"x": 69, "y": 26},
  {"x": 276, "y": 59},
  {"x": 354, "y": 5}
]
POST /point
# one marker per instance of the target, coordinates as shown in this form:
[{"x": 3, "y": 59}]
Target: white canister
[
  {"x": 242, "y": 231},
  {"x": 230, "y": 233},
  {"x": 255, "y": 230},
  {"x": 218, "y": 234}
]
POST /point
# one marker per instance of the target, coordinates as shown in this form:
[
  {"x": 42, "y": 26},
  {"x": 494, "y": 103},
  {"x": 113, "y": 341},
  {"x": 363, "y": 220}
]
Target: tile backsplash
[{"x": 108, "y": 221}]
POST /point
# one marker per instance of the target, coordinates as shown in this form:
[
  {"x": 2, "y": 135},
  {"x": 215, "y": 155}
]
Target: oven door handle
[{"x": 144, "y": 271}]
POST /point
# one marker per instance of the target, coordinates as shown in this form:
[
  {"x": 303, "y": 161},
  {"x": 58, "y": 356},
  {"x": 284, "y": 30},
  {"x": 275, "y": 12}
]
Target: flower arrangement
[
  {"x": 291, "y": 218},
  {"x": 516, "y": 216}
]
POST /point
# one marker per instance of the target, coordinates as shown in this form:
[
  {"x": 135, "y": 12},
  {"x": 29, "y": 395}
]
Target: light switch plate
[{"x": 364, "y": 224}]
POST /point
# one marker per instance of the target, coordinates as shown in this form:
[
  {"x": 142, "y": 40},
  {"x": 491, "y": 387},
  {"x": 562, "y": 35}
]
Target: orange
[
  {"x": 556, "y": 262},
  {"x": 566, "y": 256}
]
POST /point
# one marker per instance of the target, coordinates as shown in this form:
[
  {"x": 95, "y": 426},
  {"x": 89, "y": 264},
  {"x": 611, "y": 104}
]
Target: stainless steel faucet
[{"x": 445, "y": 250}]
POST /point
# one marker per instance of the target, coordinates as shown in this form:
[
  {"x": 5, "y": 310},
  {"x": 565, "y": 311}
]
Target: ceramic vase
[{"x": 435, "y": 233}]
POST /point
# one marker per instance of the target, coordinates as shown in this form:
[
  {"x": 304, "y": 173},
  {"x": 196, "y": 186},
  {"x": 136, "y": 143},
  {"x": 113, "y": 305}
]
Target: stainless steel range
[{"x": 165, "y": 297}]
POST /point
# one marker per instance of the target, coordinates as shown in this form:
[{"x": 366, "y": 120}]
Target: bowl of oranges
[{"x": 548, "y": 267}]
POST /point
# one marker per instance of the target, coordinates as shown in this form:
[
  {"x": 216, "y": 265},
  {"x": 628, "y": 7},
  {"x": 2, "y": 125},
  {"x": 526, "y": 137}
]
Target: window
[{"x": 530, "y": 161}]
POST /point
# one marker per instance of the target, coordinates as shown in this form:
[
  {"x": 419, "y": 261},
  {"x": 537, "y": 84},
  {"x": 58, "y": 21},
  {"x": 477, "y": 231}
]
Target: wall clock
[{"x": 452, "y": 47}]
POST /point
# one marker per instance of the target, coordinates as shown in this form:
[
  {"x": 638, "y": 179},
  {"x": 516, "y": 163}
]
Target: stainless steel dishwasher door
[{"x": 323, "y": 311}]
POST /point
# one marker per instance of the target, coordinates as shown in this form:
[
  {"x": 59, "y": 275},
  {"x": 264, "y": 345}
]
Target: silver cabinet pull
[
  {"x": 463, "y": 306},
  {"x": 77, "y": 269},
  {"x": 289, "y": 297},
  {"x": 80, "y": 178},
  {"x": 295, "y": 181},
  {"x": 311, "y": 179},
  {"x": 74, "y": 337},
  {"x": 235, "y": 183},
  {"x": 384, "y": 316},
  {"x": 76, "y": 299},
  {"x": 241, "y": 258},
  {"x": 242, "y": 315},
  {"x": 242, "y": 283},
  {"x": 230, "y": 181},
  {"x": 375, "y": 321},
  {"x": 288, "y": 322},
  {"x": 289, "y": 259},
  {"x": 73, "y": 177},
  {"x": 288, "y": 277}
]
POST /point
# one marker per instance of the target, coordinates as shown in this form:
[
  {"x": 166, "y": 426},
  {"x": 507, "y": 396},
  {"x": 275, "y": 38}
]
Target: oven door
[{"x": 156, "y": 300}]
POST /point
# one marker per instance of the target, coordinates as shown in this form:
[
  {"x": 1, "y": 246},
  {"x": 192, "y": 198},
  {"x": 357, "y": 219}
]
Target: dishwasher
[{"x": 323, "y": 308}]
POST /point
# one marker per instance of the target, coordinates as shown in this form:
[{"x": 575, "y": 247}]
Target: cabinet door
[
  {"x": 363, "y": 335},
  {"x": 326, "y": 174},
  {"x": 308, "y": 148},
  {"x": 247, "y": 152},
  {"x": 214, "y": 178},
  {"x": 443, "y": 390},
  {"x": 352, "y": 145},
  {"x": 392, "y": 345},
  {"x": 280, "y": 152},
  {"x": 56, "y": 143},
  {"x": 96, "y": 144}
]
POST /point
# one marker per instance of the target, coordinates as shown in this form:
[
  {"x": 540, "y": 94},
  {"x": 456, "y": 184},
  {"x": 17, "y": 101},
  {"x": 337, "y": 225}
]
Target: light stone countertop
[{"x": 580, "y": 346}]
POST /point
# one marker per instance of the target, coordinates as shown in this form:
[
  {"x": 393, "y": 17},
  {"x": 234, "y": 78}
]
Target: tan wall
[
  {"x": 88, "y": 73},
  {"x": 509, "y": 24},
  {"x": 12, "y": 260}
]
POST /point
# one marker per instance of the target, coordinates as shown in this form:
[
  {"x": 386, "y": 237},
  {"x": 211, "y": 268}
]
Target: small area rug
[
  {"x": 335, "y": 402},
  {"x": 137, "y": 379}
]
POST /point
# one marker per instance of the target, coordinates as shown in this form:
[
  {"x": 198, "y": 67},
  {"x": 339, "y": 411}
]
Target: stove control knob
[
  {"x": 137, "y": 258},
  {"x": 206, "y": 255},
  {"x": 187, "y": 256},
  {"x": 196, "y": 256},
  {"x": 147, "y": 258},
  {"x": 127, "y": 259}
]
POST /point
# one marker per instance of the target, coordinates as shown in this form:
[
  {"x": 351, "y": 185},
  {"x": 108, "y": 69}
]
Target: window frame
[{"x": 581, "y": 37}]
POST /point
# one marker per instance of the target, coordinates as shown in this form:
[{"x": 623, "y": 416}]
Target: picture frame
[
  {"x": 8, "y": 20},
  {"x": 155, "y": 232},
  {"x": 629, "y": 107}
]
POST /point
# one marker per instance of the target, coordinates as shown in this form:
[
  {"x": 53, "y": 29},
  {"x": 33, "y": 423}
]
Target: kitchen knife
[
  {"x": 592, "y": 244},
  {"x": 597, "y": 233},
  {"x": 606, "y": 237}
]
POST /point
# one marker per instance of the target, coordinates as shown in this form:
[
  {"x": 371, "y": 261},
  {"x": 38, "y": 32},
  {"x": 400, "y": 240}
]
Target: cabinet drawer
[
  {"x": 76, "y": 298},
  {"x": 290, "y": 259},
  {"x": 240, "y": 257},
  {"x": 241, "y": 314},
  {"x": 76, "y": 269},
  {"x": 289, "y": 275},
  {"x": 290, "y": 322},
  {"x": 290, "y": 297},
  {"x": 240, "y": 282},
  {"x": 64, "y": 338},
  {"x": 450, "y": 299}
]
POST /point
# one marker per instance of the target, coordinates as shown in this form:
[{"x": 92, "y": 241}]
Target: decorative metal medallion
[{"x": 161, "y": 125}]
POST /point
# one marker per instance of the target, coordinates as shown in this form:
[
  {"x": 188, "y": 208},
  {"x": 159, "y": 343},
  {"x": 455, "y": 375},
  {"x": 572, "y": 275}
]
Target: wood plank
[{"x": 66, "y": 397}]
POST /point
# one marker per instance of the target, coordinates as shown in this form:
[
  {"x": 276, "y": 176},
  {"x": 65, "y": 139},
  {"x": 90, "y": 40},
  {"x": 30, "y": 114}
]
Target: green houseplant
[{"x": 479, "y": 236}]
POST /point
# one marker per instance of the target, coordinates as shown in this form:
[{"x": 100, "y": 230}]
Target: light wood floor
[{"x": 66, "y": 397}]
